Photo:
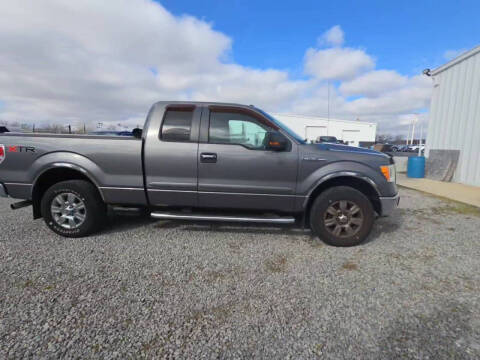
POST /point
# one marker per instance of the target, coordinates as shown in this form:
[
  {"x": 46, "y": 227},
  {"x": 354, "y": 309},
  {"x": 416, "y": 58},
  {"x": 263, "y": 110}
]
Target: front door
[{"x": 234, "y": 168}]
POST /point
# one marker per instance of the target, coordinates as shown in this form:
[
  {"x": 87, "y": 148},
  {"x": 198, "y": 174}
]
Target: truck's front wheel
[
  {"x": 342, "y": 216},
  {"x": 73, "y": 208}
]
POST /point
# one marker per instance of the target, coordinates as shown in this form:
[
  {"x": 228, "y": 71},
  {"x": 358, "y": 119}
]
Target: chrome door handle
[{"x": 208, "y": 157}]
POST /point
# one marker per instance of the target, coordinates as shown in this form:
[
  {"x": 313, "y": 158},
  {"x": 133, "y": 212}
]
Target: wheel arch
[
  {"x": 356, "y": 181},
  {"x": 58, "y": 172}
]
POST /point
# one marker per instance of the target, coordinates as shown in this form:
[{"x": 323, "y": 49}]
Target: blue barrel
[{"x": 416, "y": 167}]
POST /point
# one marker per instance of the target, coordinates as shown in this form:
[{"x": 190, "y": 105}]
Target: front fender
[{"x": 308, "y": 182}]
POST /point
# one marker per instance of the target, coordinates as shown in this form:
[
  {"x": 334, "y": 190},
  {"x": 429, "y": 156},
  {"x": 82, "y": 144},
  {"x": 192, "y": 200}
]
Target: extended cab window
[
  {"x": 177, "y": 125},
  {"x": 237, "y": 128}
]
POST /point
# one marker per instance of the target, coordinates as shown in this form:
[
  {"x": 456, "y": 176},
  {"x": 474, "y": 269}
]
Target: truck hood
[{"x": 350, "y": 149}]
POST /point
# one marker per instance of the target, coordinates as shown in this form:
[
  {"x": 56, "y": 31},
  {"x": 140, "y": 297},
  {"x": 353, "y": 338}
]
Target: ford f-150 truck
[{"x": 200, "y": 161}]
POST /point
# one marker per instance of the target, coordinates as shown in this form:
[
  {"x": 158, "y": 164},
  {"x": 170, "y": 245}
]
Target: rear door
[
  {"x": 171, "y": 152},
  {"x": 234, "y": 169}
]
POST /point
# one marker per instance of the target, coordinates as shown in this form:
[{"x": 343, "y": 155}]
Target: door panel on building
[
  {"x": 313, "y": 132},
  {"x": 171, "y": 158},
  {"x": 351, "y": 137},
  {"x": 235, "y": 170}
]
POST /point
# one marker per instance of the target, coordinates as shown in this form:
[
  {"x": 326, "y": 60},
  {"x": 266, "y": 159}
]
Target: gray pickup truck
[{"x": 200, "y": 161}]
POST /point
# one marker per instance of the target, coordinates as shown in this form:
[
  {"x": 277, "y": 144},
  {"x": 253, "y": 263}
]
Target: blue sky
[{"x": 405, "y": 35}]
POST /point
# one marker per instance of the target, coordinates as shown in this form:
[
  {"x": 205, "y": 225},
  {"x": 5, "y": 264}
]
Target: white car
[{"x": 414, "y": 148}]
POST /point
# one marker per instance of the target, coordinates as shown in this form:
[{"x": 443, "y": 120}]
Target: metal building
[
  {"x": 455, "y": 114},
  {"x": 311, "y": 127}
]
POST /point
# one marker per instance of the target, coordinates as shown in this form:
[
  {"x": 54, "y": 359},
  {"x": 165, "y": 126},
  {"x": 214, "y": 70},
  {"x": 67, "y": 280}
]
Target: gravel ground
[{"x": 153, "y": 289}]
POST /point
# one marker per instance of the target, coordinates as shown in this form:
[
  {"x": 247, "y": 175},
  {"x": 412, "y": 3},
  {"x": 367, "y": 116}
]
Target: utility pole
[
  {"x": 328, "y": 102},
  {"x": 413, "y": 132},
  {"x": 408, "y": 135},
  {"x": 420, "y": 141},
  {"x": 414, "y": 121}
]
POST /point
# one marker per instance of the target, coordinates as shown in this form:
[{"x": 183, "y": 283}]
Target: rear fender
[{"x": 68, "y": 160}]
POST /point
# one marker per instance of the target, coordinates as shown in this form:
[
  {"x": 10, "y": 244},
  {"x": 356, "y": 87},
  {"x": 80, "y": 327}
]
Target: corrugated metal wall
[{"x": 455, "y": 117}]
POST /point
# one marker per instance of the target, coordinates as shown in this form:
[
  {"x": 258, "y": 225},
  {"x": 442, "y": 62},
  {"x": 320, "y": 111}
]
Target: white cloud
[
  {"x": 373, "y": 83},
  {"x": 400, "y": 101},
  {"x": 337, "y": 63},
  {"x": 386, "y": 109},
  {"x": 89, "y": 61},
  {"x": 334, "y": 36}
]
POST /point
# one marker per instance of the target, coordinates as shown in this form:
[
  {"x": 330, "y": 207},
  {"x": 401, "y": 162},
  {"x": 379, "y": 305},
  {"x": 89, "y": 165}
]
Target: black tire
[
  {"x": 94, "y": 213},
  {"x": 331, "y": 200}
]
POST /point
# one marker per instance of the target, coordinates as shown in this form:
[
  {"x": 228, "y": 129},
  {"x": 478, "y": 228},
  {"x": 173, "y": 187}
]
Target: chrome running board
[{"x": 227, "y": 218}]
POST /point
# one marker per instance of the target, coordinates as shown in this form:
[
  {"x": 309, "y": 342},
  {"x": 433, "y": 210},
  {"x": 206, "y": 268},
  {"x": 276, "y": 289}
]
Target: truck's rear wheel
[
  {"x": 342, "y": 216},
  {"x": 73, "y": 208}
]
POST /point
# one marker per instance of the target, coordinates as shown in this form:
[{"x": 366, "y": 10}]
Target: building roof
[{"x": 457, "y": 60}]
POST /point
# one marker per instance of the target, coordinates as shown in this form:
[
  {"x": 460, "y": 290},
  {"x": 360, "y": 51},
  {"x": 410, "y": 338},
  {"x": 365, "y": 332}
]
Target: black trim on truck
[{"x": 3, "y": 191}]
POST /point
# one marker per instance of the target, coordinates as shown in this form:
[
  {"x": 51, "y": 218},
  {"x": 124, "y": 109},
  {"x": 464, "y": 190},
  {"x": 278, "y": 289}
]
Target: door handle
[{"x": 208, "y": 157}]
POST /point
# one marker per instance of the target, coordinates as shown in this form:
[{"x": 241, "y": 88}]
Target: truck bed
[{"x": 114, "y": 162}]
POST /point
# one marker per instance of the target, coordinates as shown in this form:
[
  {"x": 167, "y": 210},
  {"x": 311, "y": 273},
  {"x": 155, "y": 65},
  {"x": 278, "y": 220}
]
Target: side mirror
[
  {"x": 137, "y": 133},
  {"x": 276, "y": 142}
]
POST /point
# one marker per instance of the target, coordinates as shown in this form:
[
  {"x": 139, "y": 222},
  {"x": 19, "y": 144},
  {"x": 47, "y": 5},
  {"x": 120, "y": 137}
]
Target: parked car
[
  {"x": 327, "y": 139},
  {"x": 385, "y": 148},
  {"x": 401, "y": 148},
  {"x": 111, "y": 133},
  {"x": 222, "y": 162}
]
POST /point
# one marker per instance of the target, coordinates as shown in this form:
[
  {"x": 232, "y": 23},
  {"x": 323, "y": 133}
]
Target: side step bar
[
  {"x": 227, "y": 218},
  {"x": 20, "y": 204}
]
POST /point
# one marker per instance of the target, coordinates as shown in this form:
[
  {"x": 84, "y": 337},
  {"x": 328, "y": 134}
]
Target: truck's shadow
[
  {"x": 122, "y": 222},
  {"x": 226, "y": 227},
  {"x": 119, "y": 222},
  {"x": 386, "y": 225}
]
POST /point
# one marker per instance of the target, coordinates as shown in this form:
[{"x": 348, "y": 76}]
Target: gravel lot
[{"x": 153, "y": 289}]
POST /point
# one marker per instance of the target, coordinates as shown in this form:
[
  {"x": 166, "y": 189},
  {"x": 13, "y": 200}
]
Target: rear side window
[{"x": 177, "y": 125}]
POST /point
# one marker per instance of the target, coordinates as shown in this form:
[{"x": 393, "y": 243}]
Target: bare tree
[{"x": 384, "y": 138}]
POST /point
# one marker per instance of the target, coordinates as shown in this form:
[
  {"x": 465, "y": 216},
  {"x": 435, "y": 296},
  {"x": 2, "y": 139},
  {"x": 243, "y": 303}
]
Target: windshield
[{"x": 284, "y": 127}]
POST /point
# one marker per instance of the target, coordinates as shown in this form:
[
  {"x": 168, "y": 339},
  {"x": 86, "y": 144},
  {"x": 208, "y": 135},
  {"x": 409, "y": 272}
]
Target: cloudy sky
[{"x": 107, "y": 61}]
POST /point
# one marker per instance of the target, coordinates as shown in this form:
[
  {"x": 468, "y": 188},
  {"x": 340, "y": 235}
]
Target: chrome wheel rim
[
  {"x": 68, "y": 211},
  {"x": 343, "y": 218}
]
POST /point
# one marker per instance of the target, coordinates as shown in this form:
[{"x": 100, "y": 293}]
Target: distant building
[
  {"x": 455, "y": 114},
  {"x": 311, "y": 127}
]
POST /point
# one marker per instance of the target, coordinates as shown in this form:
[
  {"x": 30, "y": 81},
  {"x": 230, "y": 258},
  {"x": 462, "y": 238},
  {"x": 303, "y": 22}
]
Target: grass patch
[
  {"x": 454, "y": 207},
  {"x": 450, "y": 207},
  {"x": 350, "y": 266},
  {"x": 27, "y": 284},
  {"x": 277, "y": 264}
]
